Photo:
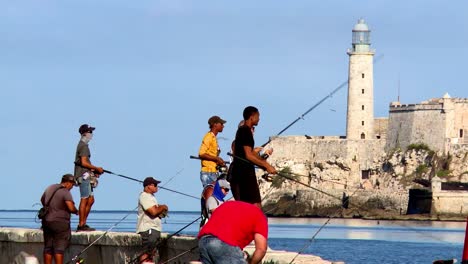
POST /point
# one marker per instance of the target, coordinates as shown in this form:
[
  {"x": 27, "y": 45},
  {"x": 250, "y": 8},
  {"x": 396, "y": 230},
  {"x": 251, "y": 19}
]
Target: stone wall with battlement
[
  {"x": 355, "y": 155},
  {"x": 438, "y": 123}
]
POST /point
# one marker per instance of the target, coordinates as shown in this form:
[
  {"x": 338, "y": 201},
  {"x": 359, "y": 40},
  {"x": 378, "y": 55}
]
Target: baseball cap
[
  {"x": 215, "y": 119},
  {"x": 224, "y": 184},
  {"x": 85, "y": 128},
  {"x": 68, "y": 178},
  {"x": 149, "y": 181}
]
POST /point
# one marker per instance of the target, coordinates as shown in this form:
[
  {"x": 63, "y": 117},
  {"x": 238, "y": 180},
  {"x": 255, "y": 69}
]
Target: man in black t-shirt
[{"x": 244, "y": 184}]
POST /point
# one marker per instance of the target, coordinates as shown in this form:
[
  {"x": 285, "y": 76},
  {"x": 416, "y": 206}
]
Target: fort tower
[{"x": 360, "y": 116}]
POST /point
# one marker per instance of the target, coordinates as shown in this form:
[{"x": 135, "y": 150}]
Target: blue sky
[{"x": 149, "y": 74}]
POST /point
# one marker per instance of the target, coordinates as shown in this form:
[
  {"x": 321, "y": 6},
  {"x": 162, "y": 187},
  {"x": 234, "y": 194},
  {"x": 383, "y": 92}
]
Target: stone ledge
[{"x": 118, "y": 247}]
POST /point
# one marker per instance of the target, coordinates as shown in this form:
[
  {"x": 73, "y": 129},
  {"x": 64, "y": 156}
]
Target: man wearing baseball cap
[
  {"x": 209, "y": 151},
  {"x": 56, "y": 223},
  {"x": 149, "y": 219},
  {"x": 86, "y": 175}
]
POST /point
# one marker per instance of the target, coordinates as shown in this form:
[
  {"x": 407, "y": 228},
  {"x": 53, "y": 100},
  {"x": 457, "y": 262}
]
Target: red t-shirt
[{"x": 235, "y": 223}]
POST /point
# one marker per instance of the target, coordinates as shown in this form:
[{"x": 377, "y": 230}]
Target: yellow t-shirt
[{"x": 209, "y": 146}]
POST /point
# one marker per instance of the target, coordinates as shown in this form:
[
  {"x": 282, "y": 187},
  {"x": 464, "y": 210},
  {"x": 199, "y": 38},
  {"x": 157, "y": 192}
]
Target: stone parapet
[
  {"x": 118, "y": 247},
  {"x": 449, "y": 203}
]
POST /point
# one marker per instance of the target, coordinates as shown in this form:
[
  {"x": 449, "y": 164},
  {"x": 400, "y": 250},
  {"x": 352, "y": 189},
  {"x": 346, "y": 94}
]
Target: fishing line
[
  {"x": 177, "y": 174},
  {"x": 75, "y": 258},
  {"x": 312, "y": 239},
  {"x": 164, "y": 188}
]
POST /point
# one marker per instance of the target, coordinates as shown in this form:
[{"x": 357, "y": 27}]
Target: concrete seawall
[{"x": 118, "y": 247}]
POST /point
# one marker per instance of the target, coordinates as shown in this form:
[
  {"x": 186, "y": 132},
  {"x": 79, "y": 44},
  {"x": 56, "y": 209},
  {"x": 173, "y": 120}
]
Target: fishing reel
[
  {"x": 222, "y": 171},
  {"x": 78, "y": 260},
  {"x": 222, "y": 168},
  {"x": 267, "y": 177},
  {"x": 163, "y": 214}
]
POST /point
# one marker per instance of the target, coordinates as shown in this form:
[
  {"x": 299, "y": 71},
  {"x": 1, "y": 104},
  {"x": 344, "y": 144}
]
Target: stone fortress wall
[
  {"x": 336, "y": 164},
  {"x": 439, "y": 123},
  {"x": 360, "y": 161}
]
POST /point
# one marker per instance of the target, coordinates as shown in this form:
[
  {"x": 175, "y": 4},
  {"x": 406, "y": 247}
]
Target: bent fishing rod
[{"x": 164, "y": 188}]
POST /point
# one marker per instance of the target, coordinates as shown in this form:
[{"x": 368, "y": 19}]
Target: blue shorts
[
  {"x": 213, "y": 250},
  {"x": 208, "y": 177},
  {"x": 85, "y": 188}
]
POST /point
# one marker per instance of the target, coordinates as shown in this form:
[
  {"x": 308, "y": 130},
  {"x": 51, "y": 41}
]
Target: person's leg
[
  {"x": 47, "y": 258},
  {"x": 144, "y": 257},
  {"x": 235, "y": 190},
  {"x": 48, "y": 243},
  {"x": 89, "y": 204},
  {"x": 62, "y": 236},
  {"x": 150, "y": 242},
  {"x": 87, "y": 200},
  {"x": 82, "y": 211},
  {"x": 58, "y": 258}
]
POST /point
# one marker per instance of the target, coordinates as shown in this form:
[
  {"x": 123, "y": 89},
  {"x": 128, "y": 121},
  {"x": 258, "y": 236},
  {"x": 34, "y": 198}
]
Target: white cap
[{"x": 224, "y": 184}]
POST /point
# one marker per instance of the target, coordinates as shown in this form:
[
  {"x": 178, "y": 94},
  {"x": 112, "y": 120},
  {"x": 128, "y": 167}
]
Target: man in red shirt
[{"x": 233, "y": 226}]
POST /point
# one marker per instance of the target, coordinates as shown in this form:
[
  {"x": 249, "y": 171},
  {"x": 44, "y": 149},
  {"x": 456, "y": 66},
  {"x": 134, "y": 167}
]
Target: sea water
[{"x": 350, "y": 240}]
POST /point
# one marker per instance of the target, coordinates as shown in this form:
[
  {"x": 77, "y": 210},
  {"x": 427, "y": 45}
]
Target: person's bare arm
[
  {"x": 261, "y": 246},
  {"x": 71, "y": 207},
  {"x": 156, "y": 210},
  {"x": 87, "y": 164},
  {"x": 218, "y": 160},
  {"x": 257, "y": 160}
]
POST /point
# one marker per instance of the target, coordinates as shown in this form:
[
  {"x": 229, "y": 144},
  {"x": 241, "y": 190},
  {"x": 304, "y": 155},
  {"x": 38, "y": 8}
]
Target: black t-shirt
[{"x": 244, "y": 137}]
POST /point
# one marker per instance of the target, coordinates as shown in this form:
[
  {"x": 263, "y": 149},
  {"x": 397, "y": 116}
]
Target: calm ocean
[{"x": 350, "y": 240}]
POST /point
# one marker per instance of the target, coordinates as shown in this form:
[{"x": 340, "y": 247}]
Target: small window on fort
[
  {"x": 461, "y": 133},
  {"x": 363, "y": 136},
  {"x": 362, "y": 91},
  {"x": 365, "y": 174},
  {"x": 378, "y": 136},
  {"x": 362, "y": 122},
  {"x": 363, "y": 75},
  {"x": 362, "y": 107}
]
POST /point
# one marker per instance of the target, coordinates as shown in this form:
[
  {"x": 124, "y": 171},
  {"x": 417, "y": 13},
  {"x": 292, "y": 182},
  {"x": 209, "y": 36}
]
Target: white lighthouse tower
[{"x": 360, "y": 117}]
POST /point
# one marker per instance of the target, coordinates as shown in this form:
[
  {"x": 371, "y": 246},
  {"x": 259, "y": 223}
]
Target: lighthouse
[{"x": 360, "y": 114}]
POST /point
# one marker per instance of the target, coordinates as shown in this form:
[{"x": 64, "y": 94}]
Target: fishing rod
[
  {"x": 343, "y": 84},
  {"x": 286, "y": 177},
  {"x": 180, "y": 255},
  {"x": 164, "y": 188},
  {"x": 344, "y": 201},
  {"x": 135, "y": 260},
  {"x": 75, "y": 258},
  {"x": 312, "y": 239},
  {"x": 198, "y": 158}
]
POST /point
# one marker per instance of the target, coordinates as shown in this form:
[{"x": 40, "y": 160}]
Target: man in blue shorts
[{"x": 86, "y": 175}]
